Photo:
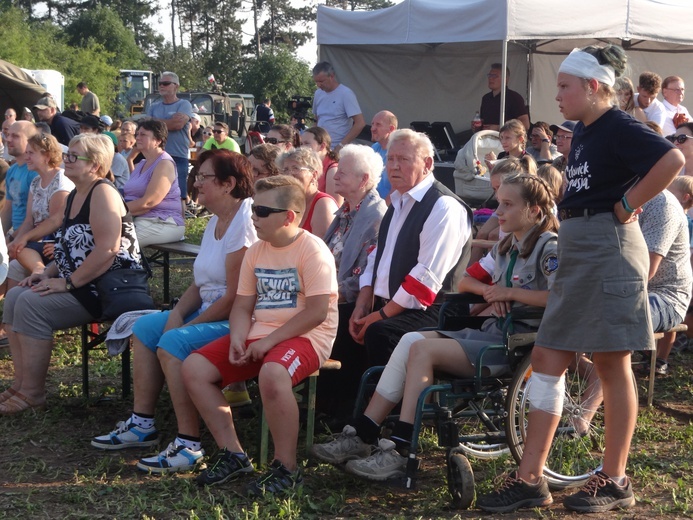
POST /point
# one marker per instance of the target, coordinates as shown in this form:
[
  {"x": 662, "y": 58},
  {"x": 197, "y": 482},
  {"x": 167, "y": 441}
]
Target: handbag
[{"x": 119, "y": 290}]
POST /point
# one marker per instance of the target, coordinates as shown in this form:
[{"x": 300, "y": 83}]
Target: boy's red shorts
[{"x": 297, "y": 355}]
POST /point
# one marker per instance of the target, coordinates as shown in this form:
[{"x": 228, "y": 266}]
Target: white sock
[
  {"x": 192, "y": 445},
  {"x": 142, "y": 422}
]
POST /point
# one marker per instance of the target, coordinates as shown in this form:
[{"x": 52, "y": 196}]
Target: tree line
[{"x": 90, "y": 40}]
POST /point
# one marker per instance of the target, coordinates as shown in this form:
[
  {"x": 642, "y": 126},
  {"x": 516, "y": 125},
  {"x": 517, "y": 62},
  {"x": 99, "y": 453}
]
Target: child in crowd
[
  {"x": 521, "y": 275},
  {"x": 283, "y": 324}
]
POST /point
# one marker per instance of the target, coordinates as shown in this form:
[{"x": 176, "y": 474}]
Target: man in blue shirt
[
  {"x": 176, "y": 113},
  {"x": 382, "y": 125},
  {"x": 63, "y": 128}
]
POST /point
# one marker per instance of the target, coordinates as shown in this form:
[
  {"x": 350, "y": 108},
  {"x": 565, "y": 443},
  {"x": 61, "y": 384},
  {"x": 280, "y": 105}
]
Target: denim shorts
[{"x": 663, "y": 315}]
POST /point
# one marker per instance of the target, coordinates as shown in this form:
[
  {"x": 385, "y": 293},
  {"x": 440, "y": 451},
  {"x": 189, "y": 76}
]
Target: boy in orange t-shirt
[{"x": 288, "y": 284}]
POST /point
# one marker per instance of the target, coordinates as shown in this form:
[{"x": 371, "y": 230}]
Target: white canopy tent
[{"x": 427, "y": 59}]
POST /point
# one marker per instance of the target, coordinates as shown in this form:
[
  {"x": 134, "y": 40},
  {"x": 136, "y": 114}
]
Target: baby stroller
[{"x": 472, "y": 179}]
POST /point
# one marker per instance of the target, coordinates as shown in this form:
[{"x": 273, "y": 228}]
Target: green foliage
[
  {"x": 277, "y": 75},
  {"x": 359, "y": 5},
  {"x": 41, "y": 45},
  {"x": 103, "y": 26},
  {"x": 285, "y": 25},
  {"x": 190, "y": 70}
]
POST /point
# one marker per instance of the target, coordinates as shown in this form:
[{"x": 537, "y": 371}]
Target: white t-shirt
[
  {"x": 41, "y": 197},
  {"x": 671, "y": 111},
  {"x": 210, "y": 265},
  {"x": 655, "y": 112},
  {"x": 334, "y": 111}
]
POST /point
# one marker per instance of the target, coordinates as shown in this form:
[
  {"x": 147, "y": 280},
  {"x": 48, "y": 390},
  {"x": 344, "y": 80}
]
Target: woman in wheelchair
[{"x": 520, "y": 275}]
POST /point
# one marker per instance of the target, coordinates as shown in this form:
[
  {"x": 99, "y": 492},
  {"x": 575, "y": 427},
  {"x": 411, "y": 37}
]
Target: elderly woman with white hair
[{"x": 354, "y": 230}]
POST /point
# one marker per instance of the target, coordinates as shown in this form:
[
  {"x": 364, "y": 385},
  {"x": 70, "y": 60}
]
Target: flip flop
[
  {"x": 19, "y": 403},
  {"x": 5, "y": 342},
  {"x": 7, "y": 394}
]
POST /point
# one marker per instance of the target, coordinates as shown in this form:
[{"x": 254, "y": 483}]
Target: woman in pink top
[
  {"x": 152, "y": 192},
  {"x": 304, "y": 165},
  {"x": 318, "y": 140}
]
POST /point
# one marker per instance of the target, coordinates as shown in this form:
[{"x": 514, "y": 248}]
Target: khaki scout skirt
[{"x": 598, "y": 301}]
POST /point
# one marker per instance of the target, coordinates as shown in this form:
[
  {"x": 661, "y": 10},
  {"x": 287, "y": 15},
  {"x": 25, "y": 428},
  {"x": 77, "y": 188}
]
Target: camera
[{"x": 299, "y": 105}]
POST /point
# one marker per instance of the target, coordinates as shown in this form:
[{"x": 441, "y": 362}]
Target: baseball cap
[
  {"x": 46, "y": 102},
  {"x": 196, "y": 116},
  {"x": 568, "y": 126},
  {"x": 106, "y": 120}
]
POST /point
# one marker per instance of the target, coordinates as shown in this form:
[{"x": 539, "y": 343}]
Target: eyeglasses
[
  {"x": 166, "y": 83},
  {"x": 293, "y": 169},
  {"x": 206, "y": 133},
  {"x": 677, "y": 90},
  {"x": 72, "y": 157},
  {"x": 201, "y": 178},
  {"x": 678, "y": 139},
  {"x": 564, "y": 137},
  {"x": 274, "y": 140},
  {"x": 218, "y": 131},
  {"x": 266, "y": 211}
]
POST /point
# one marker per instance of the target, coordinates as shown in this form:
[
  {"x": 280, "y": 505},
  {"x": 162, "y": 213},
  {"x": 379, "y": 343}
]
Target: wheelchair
[{"x": 485, "y": 417}]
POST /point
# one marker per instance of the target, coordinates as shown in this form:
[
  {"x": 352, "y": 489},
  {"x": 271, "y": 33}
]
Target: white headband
[{"x": 584, "y": 65}]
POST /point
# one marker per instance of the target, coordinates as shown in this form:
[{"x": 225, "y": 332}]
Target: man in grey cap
[
  {"x": 63, "y": 128},
  {"x": 176, "y": 113},
  {"x": 564, "y": 138}
]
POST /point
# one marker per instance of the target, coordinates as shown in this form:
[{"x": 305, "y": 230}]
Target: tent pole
[{"x": 504, "y": 78}]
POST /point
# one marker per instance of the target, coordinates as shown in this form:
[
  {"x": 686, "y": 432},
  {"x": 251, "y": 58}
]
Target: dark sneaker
[
  {"x": 514, "y": 494},
  {"x": 601, "y": 494},
  {"x": 661, "y": 367},
  {"x": 226, "y": 466},
  {"x": 277, "y": 480}
]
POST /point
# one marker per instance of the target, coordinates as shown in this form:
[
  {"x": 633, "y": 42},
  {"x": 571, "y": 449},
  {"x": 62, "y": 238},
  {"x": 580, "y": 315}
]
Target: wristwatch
[
  {"x": 68, "y": 284},
  {"x": 545, "y": 140}
]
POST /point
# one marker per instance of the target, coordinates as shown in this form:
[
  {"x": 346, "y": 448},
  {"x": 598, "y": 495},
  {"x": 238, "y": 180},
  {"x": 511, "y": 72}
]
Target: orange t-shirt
[{"x": 282, "y": 278}]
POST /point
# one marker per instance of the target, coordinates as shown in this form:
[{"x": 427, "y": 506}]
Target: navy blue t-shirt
[{"x": 607, "y": 158}]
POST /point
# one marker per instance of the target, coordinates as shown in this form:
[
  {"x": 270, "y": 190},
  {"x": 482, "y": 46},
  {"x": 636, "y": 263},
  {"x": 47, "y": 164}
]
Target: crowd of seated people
[{"x": 310, "y": 257}]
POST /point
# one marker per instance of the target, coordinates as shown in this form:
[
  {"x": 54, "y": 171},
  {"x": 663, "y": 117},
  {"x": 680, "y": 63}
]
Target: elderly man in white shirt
[{"x": 673, "y": 92}]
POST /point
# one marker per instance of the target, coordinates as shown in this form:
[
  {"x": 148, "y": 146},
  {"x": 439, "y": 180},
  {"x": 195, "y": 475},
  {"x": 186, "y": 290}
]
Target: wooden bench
[
  {"x": 92, "y": 338},
  {"x": 311, "y": 383},
  {"x": 161, "y": 257}
]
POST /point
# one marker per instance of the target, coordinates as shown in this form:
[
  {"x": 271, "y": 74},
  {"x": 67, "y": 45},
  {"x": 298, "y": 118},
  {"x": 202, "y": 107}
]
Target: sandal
[
  {"x": 7, "y": 394},
  {"x": 19, "y": 403}
]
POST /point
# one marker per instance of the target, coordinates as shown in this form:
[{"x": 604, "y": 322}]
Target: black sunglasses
[
  {"x": 218, "y": 131},
  {"x": 274, "y": 140},
  {"x": 166, "y": 83},
  {"x": 266, "y": 211},
  {"x": 680, "y": 139}
]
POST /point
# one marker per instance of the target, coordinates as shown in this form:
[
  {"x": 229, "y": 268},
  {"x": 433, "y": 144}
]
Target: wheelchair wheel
[
  {"x": 574, "y": 456},
  {"x": 460, "y": 480},
  {"x": 483, "y": 415}
]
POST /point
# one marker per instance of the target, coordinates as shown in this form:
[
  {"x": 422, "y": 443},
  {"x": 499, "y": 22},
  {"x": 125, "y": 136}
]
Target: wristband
[
  {"x": 382, "y": 314},
  {"x": 626, "y": 206},
  {"x": 545, "y": 141}
]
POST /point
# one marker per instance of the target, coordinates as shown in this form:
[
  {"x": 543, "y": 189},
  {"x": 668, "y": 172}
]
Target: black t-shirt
[
  {"x": 63, "y": 128},
  {"x": 607, "y": 158},
  {"x": 490, "y": 107},
  {"x": 262, "y": 113}
]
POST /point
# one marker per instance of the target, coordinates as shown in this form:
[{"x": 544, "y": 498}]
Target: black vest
[{"x": 407, "y": 245}]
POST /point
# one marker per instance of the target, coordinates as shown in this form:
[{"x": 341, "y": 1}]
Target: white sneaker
[
  {"x": 385, "y": 463},
  {"x": 173, "y": 458},
  {"x": 126, "y": 435},
  {"x": 346, "y": 446}
]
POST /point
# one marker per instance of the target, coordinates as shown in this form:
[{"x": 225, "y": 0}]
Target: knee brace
[
  {"x": 391, "y": 384},
  {"x": 545, "y": 393}
]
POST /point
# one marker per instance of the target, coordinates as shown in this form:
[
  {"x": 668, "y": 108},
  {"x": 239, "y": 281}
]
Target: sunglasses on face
[
  {"x": 218, "y": 131},
  {"x": 679, "y": 139},
  {"x": 206, "y": 133},
  {"x": 274, "y": 140},
  {"x": 72, "y": 157},
  {"x": 266, "y": 211},
  {"x": 166, "y": 83}
]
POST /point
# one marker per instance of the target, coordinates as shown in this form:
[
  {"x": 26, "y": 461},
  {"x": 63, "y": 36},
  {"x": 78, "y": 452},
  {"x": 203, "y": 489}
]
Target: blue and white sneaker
[
  {"x": 127, "y": 435},
  {"x": 173, "y": 458}
]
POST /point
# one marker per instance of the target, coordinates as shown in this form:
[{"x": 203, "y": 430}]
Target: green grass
[{"x": 49, "y": 470}]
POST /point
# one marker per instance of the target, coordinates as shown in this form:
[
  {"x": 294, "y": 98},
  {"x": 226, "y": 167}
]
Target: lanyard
[{"x": 511, "y": 266}]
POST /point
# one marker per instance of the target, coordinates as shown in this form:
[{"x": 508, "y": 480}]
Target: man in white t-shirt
[
  {"x": 673, "y": 92},
  {"x": 335, "y": 107},
  {"x": 649, "y": 85}
]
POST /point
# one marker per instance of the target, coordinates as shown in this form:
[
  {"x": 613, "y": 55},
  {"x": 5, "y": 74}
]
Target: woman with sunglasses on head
[
  {"x": 285, "y": 136},
  {"x": 616, "y": 164},
  {"x": 161, "y": 341},
  {"x": 304, "y": 165},
  {"x": 263, "y": 159},
  {"x": 318, "y": 140},
  {"x": 45, "y": 208},
  {"x": 96, "y": 236},
  {"x": 152, "y": 193}
]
